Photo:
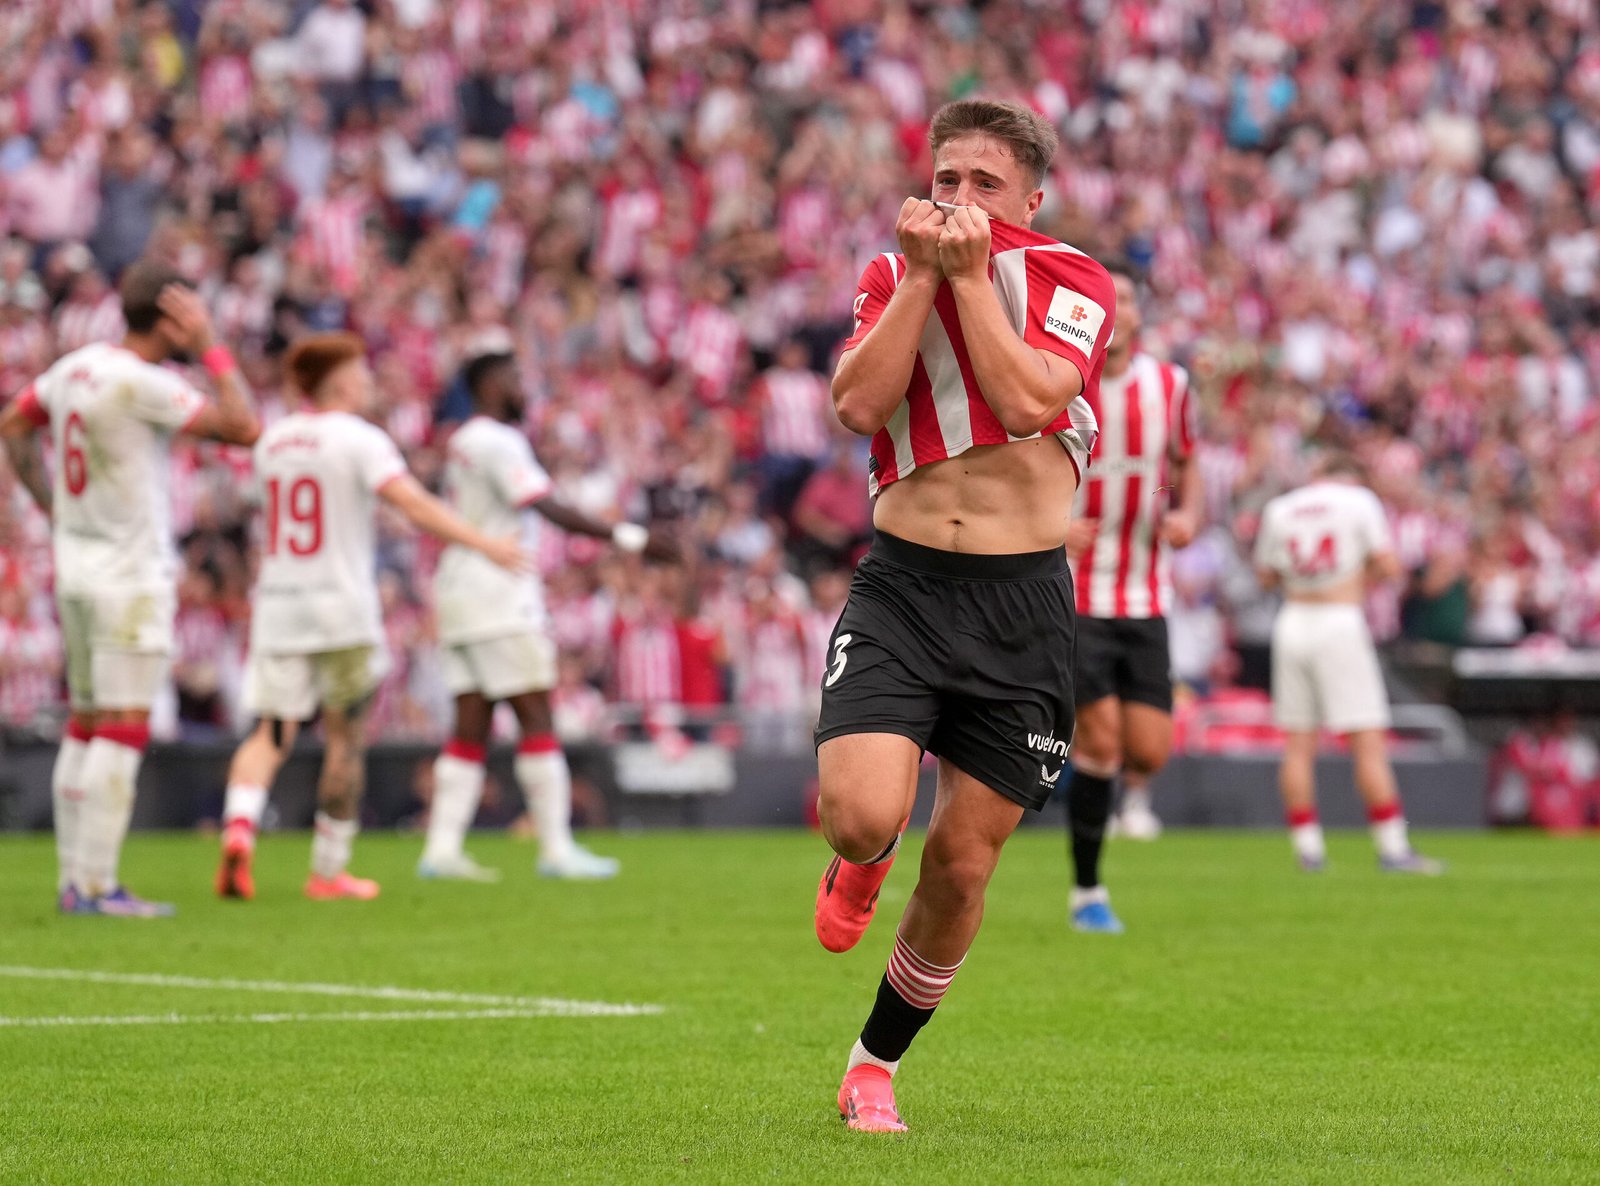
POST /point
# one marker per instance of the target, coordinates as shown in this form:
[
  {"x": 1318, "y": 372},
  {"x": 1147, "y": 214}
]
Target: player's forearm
[
  {"x": 1191, "y": 489},
  {"x": 233, "y": 417},
  {"x": 1023, "y": 389},
  {"x": 570, "y": 518},
  {"x": 429, "y": 514},
  {"x": 27, "y": 462},
  {"x": 236, "y": 410},
  {"x": 872, "y": 378}
]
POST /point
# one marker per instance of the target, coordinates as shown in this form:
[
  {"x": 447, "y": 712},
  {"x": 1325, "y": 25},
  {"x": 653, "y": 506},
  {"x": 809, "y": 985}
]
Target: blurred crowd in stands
[{"x": 1370, "y": 222}]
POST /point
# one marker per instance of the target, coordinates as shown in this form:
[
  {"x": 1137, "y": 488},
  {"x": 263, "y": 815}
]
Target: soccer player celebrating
[
  {"x": 1322, "y": 543},
  {"x": 316, "y": 633},
  {"x": 113, "y": 412},
  {"x": 971, "y": 353},
  {"x": 495, "y": 635},
  {"x": 1120, "y": 548}
]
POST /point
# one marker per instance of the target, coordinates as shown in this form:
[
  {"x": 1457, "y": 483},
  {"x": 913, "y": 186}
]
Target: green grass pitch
[{"x": 1254, "y": 1025}]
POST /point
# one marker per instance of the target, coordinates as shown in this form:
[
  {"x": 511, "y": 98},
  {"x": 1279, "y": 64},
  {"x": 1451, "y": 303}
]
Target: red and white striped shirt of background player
[
  {"x": 1056, "y": 298},
  {"x": 30, "y": 672},
  {"x": 78, "y": 323},
  {"x": 1146, "y": 419},
  {"x": 331, "y": 234},
  {"x": 794, "y": 405},
  {"x": 710, "y": 345},
  {"x": 647, "y": 666}
]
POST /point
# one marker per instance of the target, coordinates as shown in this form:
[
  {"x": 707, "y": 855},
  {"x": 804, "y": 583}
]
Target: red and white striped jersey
[
  {"x": 647, "y": 667},
  {"x": 1056, "y": 298},
  {"x": 794, "y": 405},
  {"x": 1146, "y": 419},
  {"x": 32, "y": 678},
  {"x": 82, "y": 323}
]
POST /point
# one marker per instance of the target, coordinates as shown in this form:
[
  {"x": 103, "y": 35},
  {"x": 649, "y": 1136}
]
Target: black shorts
[
  {"x": 1126, "y": 658},
  {"x": 969, "y": 656}
]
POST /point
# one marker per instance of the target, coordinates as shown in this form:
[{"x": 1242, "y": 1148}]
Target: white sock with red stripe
[
  {"x": 546, "y": 784},
  {"x": 331, "y": 844},
  {"x": 66, "y": 796},
  {"x": 457, "y": 788},
  {"x": 1305, "y": 833},
  {"x": 1389, "y": 833},
  {"x": 110, "y": 775},
  {"x": 242, "y": 810}
]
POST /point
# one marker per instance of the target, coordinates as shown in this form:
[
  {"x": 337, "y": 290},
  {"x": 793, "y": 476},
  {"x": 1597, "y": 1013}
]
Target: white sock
[
  {"x": 457, "y": 787},
  {"x": 547, "y": 785},
  {"x": 1135, "y": 798},
  {"x": 1391, "y": 837},
  {"x": 66, "y": 795},
  {"x": 245, "y": 804},
  {"x": 1308, "y": 842},
  {"x": 331, "y": 844},
  {"x": 1082, "y": 897},
  {"x": 860, "y": 1055},
  {"x": 110, "y": 774}
]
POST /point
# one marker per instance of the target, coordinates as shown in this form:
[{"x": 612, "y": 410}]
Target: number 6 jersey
[
  {"x": 1321, "y": 535},
  {"x": 112, "y": 416},
  {"x": 319, "y": 474}
]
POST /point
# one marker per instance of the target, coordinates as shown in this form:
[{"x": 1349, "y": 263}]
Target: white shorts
[
  {"x": 499, "y": 668},
  {"x": 1325, "y": 671},
  {"x": 119, "y": 647},
  {"x": 290, "y": 687}
]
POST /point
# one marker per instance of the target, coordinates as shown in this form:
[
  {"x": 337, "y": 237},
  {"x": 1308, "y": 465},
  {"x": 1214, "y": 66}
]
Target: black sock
[
  {"x": 1088, "y": 809},
  {"x": 894, "y": 1021}
]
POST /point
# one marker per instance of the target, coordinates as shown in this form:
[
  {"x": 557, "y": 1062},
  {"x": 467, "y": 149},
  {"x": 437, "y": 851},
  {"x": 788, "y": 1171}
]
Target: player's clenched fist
[
  {"x": 964, "y": 243},
  {"x": 918, "y": 228},
  {"x": 1080, "y": 534}
]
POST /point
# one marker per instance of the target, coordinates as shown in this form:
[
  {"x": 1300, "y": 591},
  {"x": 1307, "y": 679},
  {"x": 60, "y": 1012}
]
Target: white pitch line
[
  {"x": 279, "y": 1018},
  {"x": 544, "y": 1006}
]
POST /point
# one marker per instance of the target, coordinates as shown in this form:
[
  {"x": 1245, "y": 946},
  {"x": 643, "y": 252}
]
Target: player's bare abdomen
[{"x": 994, "y": 499}]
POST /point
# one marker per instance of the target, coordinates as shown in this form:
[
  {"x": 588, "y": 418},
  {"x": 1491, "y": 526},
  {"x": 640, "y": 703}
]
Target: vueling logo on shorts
[{"x": 1046, "y": 743}]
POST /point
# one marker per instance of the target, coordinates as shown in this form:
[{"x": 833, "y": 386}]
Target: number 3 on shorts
[{"x": 839, "y": 659}]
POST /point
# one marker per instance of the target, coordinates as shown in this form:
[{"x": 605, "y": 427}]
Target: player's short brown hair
[
  {"x": 1029, "y": 136},
  {"x": 312, "y": 359},
  {"x": 1338, "y": 462},
  {"x": 141, "y": 289}
]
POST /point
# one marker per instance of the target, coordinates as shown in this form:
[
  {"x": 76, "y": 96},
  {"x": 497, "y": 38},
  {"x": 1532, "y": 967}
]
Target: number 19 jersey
[{"x": 319, "y": 474}]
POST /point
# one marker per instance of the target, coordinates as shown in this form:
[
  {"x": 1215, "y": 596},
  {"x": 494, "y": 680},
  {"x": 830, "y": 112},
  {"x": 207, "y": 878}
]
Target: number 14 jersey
[
  {"x": 1321, "y": 535},
  {"x": 319, "y": 474}
]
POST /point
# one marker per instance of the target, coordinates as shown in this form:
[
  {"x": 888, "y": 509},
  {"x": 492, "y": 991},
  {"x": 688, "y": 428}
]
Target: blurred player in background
[
  {"x": 978, "y": 342},
  {"x": 495, "y": 635},
  {"x": 1120, "y": 546},
  {"x": 113, "y": 413},
  {"x": 1322, "y": 544},
  {"x": 316, "y": 632}
]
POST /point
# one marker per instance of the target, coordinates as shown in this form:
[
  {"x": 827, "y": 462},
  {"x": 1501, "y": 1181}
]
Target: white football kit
[
  {"x": 316, "y": 627},
  {"x": 492, "y": 623},
  {"x": 112, "y": 417},
  {"x": 1325, "y": 671}
]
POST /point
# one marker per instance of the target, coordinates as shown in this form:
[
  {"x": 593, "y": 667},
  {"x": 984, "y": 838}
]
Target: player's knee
[
  {"x": 857, "y": 831},
  {"x": 954, "y": 882},
  {"x": 1145, "y": 761}
]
